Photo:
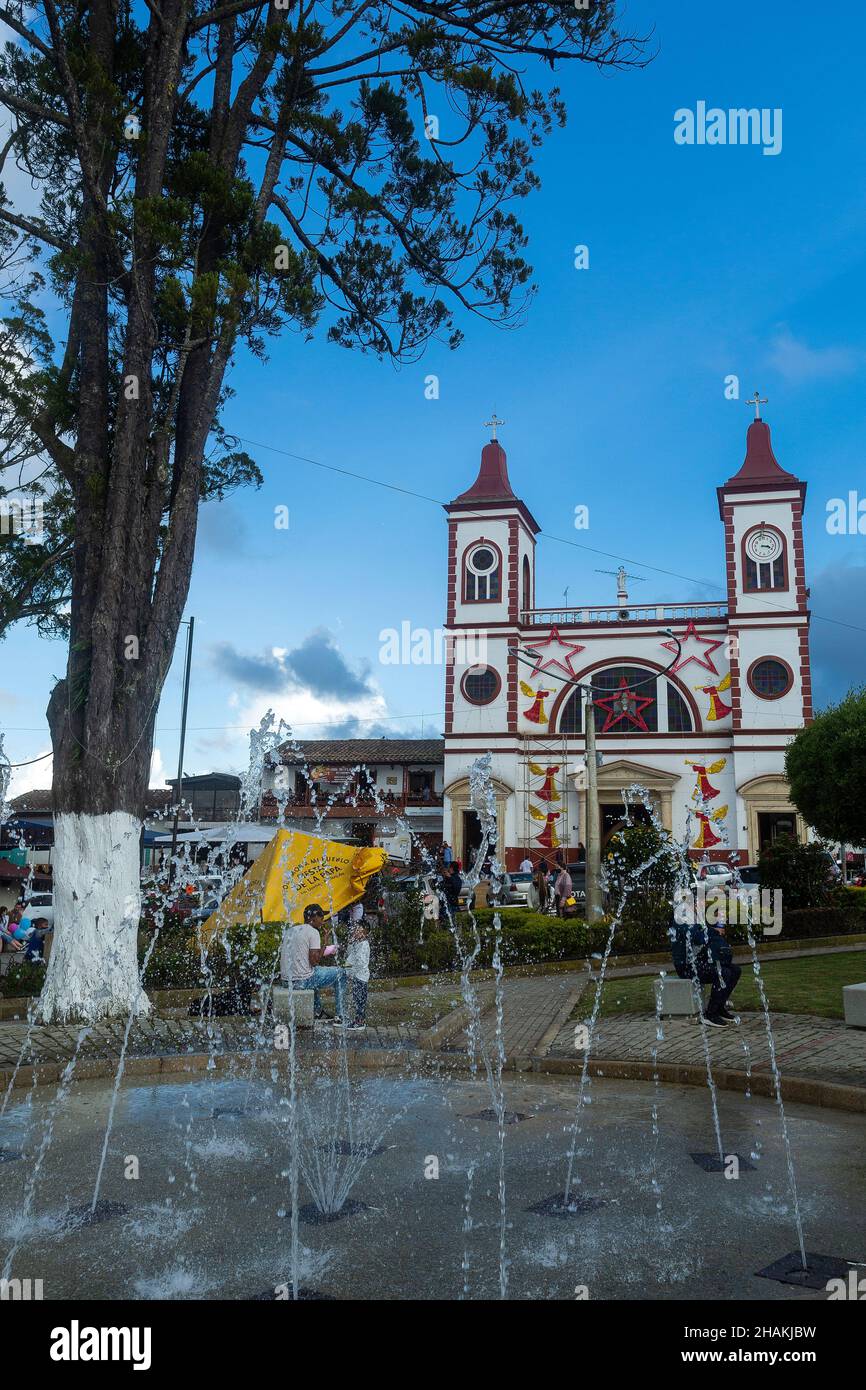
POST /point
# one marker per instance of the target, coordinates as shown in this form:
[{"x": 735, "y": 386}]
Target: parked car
[
  {"x": 521, "y": 892},
  {"x": 715, "y": 875},
  {"x": 41, "y": 905},
  {"x": 750, "y": 874},
  {"x": 578, "y": 880},
  {"x": 205, "y": 897}
]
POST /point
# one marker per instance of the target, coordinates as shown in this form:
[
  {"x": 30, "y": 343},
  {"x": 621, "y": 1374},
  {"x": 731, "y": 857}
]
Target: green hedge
[
  {"x": 23, "y": 978},
  {"x": 247, "y": 953}
]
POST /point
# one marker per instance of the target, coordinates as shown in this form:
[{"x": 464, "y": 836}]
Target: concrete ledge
[
  {"x": 678, "y": 997},
  {"x": 800, "y": 1090},
  {"x": 854, "y": 1005},
  {"x": 303, "y": 1002},
  {"x": 432, "y": 1038}
]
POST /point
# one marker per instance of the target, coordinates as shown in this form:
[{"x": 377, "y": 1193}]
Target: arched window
[
  {"x": 765, "y": 565},
  {"x": 630, "y": 699},
  {"x": 527, "y": 584},
  {"x": 482, "y": 573}
]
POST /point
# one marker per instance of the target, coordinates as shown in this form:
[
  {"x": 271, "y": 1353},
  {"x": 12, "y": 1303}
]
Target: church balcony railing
[{"x": 611, "y": 613}]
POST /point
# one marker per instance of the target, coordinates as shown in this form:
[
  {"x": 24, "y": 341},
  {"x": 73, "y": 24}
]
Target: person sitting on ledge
[
  {"x": 701, "y": 951},
  {"x": 300, "y": 955}
]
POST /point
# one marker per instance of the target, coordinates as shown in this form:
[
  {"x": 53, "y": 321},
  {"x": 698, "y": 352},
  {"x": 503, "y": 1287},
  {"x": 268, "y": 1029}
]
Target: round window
[
  {"x": 770, "y": 678},
  {"x": 481, "y": 685},
  {"x": 482, "y": 560}
]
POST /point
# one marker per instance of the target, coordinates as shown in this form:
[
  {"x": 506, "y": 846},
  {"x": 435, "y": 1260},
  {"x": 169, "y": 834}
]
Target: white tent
[{"x": 235, "y": 832}]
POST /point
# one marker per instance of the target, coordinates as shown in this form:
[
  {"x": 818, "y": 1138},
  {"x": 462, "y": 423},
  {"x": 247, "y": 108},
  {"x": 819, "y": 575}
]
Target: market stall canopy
[
  {"x": 9, "y": 871},
  {"x": 235, "y": 832},
  {"x": 293, "y": 871}
]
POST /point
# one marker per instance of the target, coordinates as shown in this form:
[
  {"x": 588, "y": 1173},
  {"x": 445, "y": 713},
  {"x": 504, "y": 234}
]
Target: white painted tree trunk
[{"x": 93, "y": 967}]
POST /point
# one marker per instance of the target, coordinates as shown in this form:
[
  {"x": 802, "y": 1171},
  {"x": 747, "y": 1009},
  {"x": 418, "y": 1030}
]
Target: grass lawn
[
  {"x": 812, "y": 985},
  {"x": 420, "y": 1008}
]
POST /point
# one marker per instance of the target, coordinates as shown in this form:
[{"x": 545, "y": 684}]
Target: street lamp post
[{"x": 593, "y": 825}]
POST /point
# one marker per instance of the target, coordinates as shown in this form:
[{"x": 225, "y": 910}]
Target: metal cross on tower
[
  {"x": 757, "y": 402},
  {"x": 493, "y": 422}
]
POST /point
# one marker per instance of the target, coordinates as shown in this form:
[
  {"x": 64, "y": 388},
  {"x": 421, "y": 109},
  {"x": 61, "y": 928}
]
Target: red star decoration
[
  {"x": 700, "y": 659},
  {"x": 554, "y": 640},
  {"x": 636, "y": 703}
]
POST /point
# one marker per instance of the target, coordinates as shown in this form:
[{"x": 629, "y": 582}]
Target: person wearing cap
[{"x": 300, "y": 967}]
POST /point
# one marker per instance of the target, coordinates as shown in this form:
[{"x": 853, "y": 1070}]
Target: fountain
[{"x": 330, "y": 1178}]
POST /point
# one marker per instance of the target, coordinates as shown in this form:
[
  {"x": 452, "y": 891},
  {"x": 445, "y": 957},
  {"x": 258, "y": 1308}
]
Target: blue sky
[{"x": 704, "y": 261}]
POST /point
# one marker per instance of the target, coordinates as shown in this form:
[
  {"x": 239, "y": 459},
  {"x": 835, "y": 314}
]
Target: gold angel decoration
[
  {"x": 548, "y": 792},
  {"x": 548, "y": 838},
  {"x": 704, "y": 789},
  {"x": 718, "y": 709},
  {"x": 706, "y": 836},
  {"x": 535, "y": 714}
]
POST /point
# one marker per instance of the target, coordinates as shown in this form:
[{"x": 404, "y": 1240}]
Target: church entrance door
[
  {"x": 613, "y": 819},
  {"x": 471, "y": 837}
]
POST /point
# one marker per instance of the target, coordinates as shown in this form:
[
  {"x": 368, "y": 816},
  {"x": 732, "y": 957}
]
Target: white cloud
[
  {"x": 306, "y": 714},
  {"x": 35, "y": 774},
  {"x": 793, "y": 359},
  {"x": 157, "y": 771}
]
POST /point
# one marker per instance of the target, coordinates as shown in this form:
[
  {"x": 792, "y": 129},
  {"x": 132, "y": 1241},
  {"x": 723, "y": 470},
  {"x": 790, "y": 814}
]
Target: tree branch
[{"x": 33, "y": 229}]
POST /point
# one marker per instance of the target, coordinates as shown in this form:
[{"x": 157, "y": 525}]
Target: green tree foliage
[
  {"x": 212, "y": 173},
  {"x": 642, "y": 869},
  {"x": 825, "y": 765},
  {"x": 800, "y": 872}
]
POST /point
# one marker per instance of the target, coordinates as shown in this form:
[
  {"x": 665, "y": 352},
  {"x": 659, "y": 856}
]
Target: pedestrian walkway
[
  {"x": 531, "y": 1009},
  {"x": 539, "y": 1017},
  {"x": 819, "y": 1049}
]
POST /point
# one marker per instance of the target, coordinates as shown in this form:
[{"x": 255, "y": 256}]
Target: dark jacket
[
  {"x": 698, "y": 945},
  {"x": 452, "y": 887}
]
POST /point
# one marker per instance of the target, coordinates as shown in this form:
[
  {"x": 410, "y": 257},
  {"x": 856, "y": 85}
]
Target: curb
[
  {"x": 803, "y": 1090},
  {"x": 826, "y": 1095}
]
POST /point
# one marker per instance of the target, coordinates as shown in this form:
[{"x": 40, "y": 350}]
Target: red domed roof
[
  {"x": 760, "y": 464},
  {"x": 492, "y": 481}
]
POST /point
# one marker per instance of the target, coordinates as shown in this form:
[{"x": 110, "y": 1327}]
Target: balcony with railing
[
  {"x": 360, "y": 805},
  {"x": 632, "y": 613}
]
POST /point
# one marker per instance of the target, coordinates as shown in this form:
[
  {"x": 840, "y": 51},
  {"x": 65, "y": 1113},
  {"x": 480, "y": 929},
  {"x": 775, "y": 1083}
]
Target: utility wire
[{"x": 545, "y": 535}]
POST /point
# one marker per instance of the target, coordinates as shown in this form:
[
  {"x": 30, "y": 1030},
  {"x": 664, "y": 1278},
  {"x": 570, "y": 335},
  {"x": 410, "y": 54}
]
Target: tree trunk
[{"x": 93, "y": 967}]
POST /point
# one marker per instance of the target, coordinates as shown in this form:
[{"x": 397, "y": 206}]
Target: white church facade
[{"x": 703, "y": 731}]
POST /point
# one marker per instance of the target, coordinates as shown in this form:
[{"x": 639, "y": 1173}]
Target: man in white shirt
[
  {"x": 526, "y": 866},
  {"x": 300, "y": 954}
]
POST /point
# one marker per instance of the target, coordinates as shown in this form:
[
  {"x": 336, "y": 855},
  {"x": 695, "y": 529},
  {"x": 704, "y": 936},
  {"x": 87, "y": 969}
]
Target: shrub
[
  {"x": 646, "y": 894},
  {"x": 799, "y": 871},
  {"x": 246, "y": 955},
  {"x": 23, "y": 978},
  {"x": 807, "y": 922}
]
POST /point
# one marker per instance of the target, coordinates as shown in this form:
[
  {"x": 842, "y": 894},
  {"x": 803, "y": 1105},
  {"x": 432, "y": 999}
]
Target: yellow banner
[{"x": 293, "y": 871}]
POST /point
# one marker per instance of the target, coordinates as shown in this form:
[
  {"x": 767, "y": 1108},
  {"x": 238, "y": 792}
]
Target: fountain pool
[{"x": 207, "y": 1215}]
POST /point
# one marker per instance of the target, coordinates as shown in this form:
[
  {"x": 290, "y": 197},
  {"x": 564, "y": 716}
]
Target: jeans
[
  {"x": 359, "y": 1000},
  {"x": 325, "y": 977},
  {"x": 720, "y": 993}
]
